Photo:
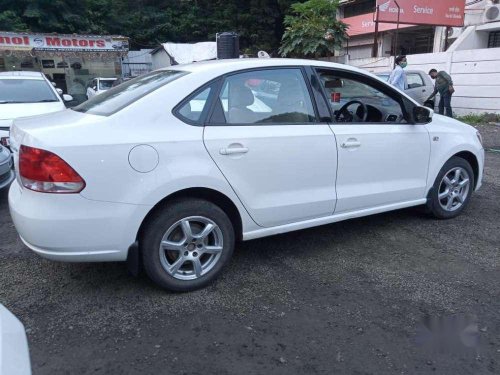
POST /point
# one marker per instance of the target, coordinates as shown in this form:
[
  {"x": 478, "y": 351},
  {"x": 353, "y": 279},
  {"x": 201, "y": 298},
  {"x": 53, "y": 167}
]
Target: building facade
[
  {"x": 481, "y": 19},
  {"x": 70, "y": 61}
]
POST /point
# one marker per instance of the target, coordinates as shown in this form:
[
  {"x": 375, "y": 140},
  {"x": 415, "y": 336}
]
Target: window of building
[
  {"x": 494, "y": 39},
  {"x": 358, "y": 8}
]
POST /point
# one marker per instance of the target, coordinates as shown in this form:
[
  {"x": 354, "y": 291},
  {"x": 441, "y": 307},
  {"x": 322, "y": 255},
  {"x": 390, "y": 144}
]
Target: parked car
[
  {"x": 176, "y": 184},
  {"x": 14, "y": 351},
  {"x": 26, "y": 94},
  {"x": 6, "y": 173},
  {"x": 98, "y": 86},
  {"x": 420, "y": 85}
]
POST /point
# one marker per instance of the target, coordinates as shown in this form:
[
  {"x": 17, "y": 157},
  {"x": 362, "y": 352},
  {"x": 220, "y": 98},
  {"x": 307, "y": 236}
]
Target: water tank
[{"x": 228, "y": 45}]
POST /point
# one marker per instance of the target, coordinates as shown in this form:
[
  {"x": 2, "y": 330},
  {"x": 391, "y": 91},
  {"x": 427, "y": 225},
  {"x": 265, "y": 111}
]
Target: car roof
[
  {"x": 103, "y": 78},
  {"x": 250, "y": 63},
  {"x": 21, "y": 75}
]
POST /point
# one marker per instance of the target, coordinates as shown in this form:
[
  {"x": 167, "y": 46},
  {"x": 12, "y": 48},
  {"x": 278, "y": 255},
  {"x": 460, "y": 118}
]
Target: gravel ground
[{"x": 347, "y": 298}]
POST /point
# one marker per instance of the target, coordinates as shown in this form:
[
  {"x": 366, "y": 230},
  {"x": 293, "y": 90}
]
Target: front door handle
[
  {"x": 233, "y": 150},
  {"x": 351, "y": 143},
  {"x": 424, "y": 90}
]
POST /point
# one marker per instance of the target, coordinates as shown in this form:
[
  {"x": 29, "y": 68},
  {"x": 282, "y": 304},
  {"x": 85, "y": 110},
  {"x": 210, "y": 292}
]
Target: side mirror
[
  {"x": 94, "y": 88},
  {"x": 67, "y": 98},
  {"x": 59, "y": 91},
  {"x": 422, "y": 115}
]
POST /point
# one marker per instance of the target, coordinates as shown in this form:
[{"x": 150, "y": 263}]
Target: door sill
[{"x": 329, "y": 219}]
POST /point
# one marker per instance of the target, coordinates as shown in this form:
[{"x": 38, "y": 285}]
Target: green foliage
[
  {"x": 312, "y": 30},
  {"x": 150, "y": 22},
  {"x": 478, "y": 119}
]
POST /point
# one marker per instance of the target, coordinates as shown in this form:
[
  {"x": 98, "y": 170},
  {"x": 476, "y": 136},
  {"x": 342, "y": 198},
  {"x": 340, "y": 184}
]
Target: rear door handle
[
  {"x": 233, "y": 150},
  {"x": 351, "y": 144}
]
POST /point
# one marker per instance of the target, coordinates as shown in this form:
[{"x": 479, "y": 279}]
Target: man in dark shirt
[{"x": 444, "y": 86}]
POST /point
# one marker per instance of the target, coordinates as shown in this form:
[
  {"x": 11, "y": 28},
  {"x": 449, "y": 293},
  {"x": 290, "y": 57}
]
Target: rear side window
[
  {"x": 414, "y": 80},
  {"x": 26, "y": 91},
  {"x": 272, "y": 96},
  {"x": 119, "y": 97},
  {"x": 192, "y": 110}
]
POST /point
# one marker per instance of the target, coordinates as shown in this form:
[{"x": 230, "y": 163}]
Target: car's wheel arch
[
  {"x": 467, "y": 155},
  {"x": 208, "y": 194}
]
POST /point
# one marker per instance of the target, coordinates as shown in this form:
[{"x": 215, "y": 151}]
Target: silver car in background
[{"x": 420, "y": 86}]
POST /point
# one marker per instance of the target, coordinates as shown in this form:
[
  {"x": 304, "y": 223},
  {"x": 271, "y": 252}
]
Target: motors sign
[
  {"x": 54, "y": 42},
  {"x": 422, "y": 12}
]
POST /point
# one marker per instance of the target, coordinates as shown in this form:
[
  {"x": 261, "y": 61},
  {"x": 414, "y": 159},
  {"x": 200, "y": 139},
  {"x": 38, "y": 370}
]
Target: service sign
[
  {"x": 422, "y": 12},
  {"x": 54, "y": 42}
]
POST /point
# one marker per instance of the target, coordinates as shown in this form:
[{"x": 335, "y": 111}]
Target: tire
[
  {"x": 178, "y": 256},
  {"x": 457, "y": 189}
]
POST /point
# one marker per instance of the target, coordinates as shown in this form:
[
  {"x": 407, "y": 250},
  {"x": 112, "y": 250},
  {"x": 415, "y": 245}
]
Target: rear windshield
[
  {"x": 26, "y": 91},
  {"x": 119, "y": 97}
]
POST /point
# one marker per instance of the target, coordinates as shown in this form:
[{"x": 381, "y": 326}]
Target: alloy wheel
[
  {"x": 454, "y": 189},
  {"x": 191, "y": 247}
]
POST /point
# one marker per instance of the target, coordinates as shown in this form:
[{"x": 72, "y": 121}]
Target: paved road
[{"x": 347, "y": 298}]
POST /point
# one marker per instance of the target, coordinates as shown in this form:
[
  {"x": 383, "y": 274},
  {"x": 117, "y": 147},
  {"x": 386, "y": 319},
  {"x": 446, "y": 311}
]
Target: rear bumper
[{"x": 71, "y": 228}]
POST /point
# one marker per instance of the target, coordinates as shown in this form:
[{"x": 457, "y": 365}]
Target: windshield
[
  {"x": 105, "y": 84},
  {"x": 119, "y": 97},
  {"x": 26, "y": 91}
]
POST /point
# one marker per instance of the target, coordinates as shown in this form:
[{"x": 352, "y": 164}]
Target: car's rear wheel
[
  {"x": 452, "y": 189},
  {"x": 185, "y": 245}
]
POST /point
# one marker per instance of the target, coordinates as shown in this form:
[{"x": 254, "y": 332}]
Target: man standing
[
  {"x": 398, "y": 75},
  {"x": 444, "y": 86}
]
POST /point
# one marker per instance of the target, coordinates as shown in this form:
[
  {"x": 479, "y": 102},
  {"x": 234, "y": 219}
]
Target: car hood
[
  {"x": 16, "y": 110},
  {"x": 14, "y": 352}
]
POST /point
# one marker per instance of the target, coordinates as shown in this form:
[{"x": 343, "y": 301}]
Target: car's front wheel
[
  {"x": 186, "y": 244},
  {"x": 452, "y": 189}
]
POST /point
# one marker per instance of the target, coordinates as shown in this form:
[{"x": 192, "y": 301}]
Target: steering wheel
[{"x": 343, "y": 115}]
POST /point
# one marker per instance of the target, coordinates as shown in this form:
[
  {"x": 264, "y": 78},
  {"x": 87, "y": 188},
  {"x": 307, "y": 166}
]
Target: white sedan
[
  {"x": 26, "y": 94},
  {"x": 171, "y": 184}
]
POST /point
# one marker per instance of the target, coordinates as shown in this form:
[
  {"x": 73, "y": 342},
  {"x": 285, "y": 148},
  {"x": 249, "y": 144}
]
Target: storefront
[
  {"x": 71, "y": 61},
  {"x": 380, "y": 28}
]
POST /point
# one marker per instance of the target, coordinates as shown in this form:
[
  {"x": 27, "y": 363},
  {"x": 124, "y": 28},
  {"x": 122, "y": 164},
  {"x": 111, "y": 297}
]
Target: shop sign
[
  {"x": 422, "y": 12},
  {"x": 365, "y": 24},
  {"x": 54, "y": 42}
]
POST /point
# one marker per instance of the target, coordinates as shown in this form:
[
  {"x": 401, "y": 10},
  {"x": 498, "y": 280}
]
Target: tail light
[{"x": 43, "y": 171}]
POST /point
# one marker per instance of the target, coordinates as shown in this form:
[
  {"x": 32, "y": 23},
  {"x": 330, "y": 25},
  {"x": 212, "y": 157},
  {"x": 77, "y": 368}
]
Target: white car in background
[
  {"x": 25, "y": 94},
  {"x": 98, "y": 86},
  {"x": 185, "y": 164},
  {"x": 420, "y": 85},
  {"x": 14, "y": 352}
]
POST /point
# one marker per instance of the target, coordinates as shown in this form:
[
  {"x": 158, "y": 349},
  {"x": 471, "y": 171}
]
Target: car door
[
  {"x": 416, "y": 87},
  {"x": 265, "y": 138},
  {"x": 382, "y": 159}
]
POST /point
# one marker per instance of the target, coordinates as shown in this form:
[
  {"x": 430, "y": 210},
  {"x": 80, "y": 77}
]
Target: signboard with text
[
  {"x": 365, "y": 24},
  {"x": 422, "y": 12},
  {"x": 54, "y": 42}
]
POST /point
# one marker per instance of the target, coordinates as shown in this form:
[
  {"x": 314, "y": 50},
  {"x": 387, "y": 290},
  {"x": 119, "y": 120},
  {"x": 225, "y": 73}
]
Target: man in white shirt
[{"x": 398, "y": 75}]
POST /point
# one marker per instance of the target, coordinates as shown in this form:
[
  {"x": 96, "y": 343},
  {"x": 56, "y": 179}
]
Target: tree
[{"x": 313, "y": 30}]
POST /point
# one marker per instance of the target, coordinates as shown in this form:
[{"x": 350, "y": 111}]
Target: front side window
[
  {"x": 278, "y": 96},
  {"x": 121, "y": 96},
  {"x": 105, "y": 84},
  {"x": 354, "y": 101},
  {"x": 414, "y": 80},
  {"x": 26, "y": 91}
]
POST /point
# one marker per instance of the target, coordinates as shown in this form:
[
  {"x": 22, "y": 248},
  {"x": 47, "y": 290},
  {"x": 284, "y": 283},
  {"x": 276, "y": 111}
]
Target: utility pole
[
  {"x": 397, "y": 34},
  {"x": 375, "y": 41}
]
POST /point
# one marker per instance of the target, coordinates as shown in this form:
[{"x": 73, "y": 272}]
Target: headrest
[{"x": 240, "y": 96}]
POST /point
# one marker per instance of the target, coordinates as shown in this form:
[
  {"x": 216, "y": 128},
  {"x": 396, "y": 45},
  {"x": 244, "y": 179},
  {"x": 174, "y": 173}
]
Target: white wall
[{"x": 475, "y": 73}]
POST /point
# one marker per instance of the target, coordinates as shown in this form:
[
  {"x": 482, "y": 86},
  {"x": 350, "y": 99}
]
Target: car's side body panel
[{"x": 389, "y": 166}]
